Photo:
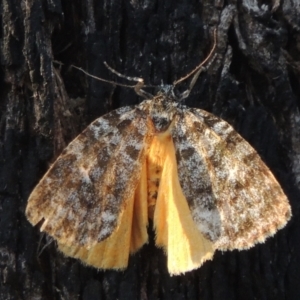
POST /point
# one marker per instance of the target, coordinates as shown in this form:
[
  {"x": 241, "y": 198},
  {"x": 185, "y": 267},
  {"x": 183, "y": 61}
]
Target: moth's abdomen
[{"x": 154, "y": 161}]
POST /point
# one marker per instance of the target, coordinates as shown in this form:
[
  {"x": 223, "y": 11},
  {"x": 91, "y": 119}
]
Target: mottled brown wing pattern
[
  {"x": 246, "y": 203},
  {"x": 194, "y": 177},
  {"x": 80, "y": 197}
]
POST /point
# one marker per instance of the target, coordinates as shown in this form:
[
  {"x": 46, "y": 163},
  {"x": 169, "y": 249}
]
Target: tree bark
[{"x": 253, "y": 83}]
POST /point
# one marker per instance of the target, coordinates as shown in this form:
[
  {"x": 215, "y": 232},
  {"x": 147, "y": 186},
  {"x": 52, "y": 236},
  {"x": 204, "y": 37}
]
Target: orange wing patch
[{"x": 176, "y": 232}]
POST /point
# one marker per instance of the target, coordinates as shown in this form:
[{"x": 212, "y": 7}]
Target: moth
[{"x": 202, "y": 184}]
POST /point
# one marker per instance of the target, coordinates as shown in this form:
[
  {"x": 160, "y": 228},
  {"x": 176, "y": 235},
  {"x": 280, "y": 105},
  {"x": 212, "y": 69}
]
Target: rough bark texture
[{"x": 253, "y": 83}]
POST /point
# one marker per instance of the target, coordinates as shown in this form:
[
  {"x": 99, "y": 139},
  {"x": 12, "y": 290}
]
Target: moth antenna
[
  {"x": 102, "y": 79},
  {"x": 186, "y": 93},
  {"x": 137, "y": 79},
  {"x": 200, "y": 66},
  {"x": 137, "y": 87}
]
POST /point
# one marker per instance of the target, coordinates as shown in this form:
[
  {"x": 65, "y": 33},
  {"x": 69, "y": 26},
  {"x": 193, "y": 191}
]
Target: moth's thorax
[{"x": 163, "y": 108}]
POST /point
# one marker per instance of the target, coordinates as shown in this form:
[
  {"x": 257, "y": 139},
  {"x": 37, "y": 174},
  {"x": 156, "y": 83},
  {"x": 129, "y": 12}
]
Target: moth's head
[{"x": 163, "y": 108}]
